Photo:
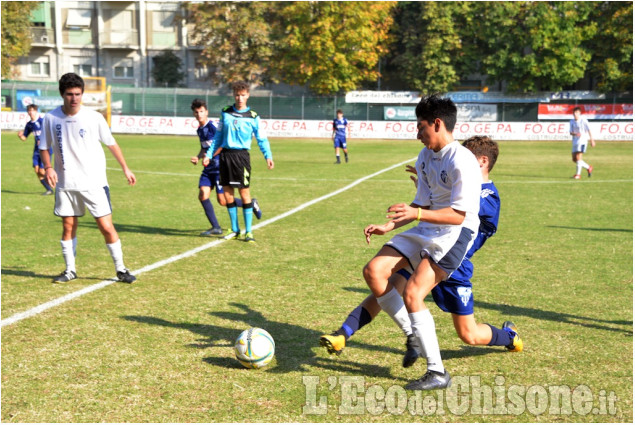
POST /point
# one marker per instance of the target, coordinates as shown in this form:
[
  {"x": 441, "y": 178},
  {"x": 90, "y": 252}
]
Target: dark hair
[
  {"x": 32, "y": 106},
  {"x": 577, "y": 108},
  {"x": 71, "y": 81},
  {"x": 198, "y": 103},
  {"x": 433, "y": 107},
  {"x": 483, "y": 146},
  {"x": 339, "y": 111},
  {"x": 240, "y": 86}
]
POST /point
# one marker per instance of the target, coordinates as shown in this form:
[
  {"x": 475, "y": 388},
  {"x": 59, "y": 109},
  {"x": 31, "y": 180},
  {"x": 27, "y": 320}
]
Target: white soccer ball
[{"x": 254, "y": 348}]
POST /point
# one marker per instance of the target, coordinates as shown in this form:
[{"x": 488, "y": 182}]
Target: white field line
[
  {"x": 568, "y": 181},
  {"x": 68, "y": 297}
]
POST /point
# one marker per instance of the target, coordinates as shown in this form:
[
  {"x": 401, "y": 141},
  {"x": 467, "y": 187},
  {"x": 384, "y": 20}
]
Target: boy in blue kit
[
  {"x": 35, "y": 126},
  {"x": 453, "y": 295},
  {"x": 236, "y": 126},
  {"x": 340, "y": 125}
]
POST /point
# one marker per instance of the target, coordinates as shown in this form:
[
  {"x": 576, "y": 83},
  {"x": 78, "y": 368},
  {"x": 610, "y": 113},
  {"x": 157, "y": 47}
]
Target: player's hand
[
  {"x": 374, "y": 229},
  {"x": 270, "y": 164},
  {"x": 592, "y": 143},
  {"x": 21, "y": 134},
  {"x": 130, "y": 177},
  {"x": 51, "y": 176},
  {"x": 413, "y": 170},
  {"x": 205, "y": 162},
  {"x": 194, "y": 160},
  {"x": 401, "y": 212}
]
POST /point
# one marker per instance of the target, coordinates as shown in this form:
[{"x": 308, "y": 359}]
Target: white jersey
[
  {"x": 450, "y": 178},
  {"x": 581, "y": 126},
  {"x": 80, "y": 162}
]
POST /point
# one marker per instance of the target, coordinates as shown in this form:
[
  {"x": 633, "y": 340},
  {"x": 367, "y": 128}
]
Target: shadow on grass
[
  {"x": 470, "y": 351},
  {"x": 294, "y": 344},
  {"x": 149, "y": 230},
  {"x": 28, "y": 273},
  {"x": 557, "y": 316},
  {"x": 13, "y": 192},
  {"x": 592, "y": 229}
]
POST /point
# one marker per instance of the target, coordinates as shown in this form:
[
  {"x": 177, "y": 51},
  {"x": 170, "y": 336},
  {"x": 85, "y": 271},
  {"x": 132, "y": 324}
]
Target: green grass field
[{"x": 161, "y": 350}]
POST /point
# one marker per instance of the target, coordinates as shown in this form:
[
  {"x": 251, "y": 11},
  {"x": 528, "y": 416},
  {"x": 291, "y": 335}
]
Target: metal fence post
[
  {"x": 174, "y": 105},
  {"x": 143, "y": 102},
  {"x": 368, "y": 112},
  {"x": 302, "y": 107},
  {"x": 270, "y": 104}
]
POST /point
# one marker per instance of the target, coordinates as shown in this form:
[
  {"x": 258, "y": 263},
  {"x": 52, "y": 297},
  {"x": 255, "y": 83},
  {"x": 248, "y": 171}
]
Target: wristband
[
  {"x": 46, "y": 168},
  {"x": 418, "y": 214}
]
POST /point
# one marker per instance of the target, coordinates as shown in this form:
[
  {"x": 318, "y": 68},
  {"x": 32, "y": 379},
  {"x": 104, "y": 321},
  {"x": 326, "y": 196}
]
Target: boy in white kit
[
  {"x": 79, "y": 176},
  {"x": 446, "y": 206},
  {"x": 579, "y": 129}
]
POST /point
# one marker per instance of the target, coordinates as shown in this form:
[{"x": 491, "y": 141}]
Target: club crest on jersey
[
  {"x": 423, "y": 166},
  {"x": 465, "y": 294},
  {"x": 82, "y": 133},
  {"x": 444, "y": 176}
]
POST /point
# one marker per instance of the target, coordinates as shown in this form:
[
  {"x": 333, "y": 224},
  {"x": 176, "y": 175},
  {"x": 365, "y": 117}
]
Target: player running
[
  {"x": 236, "y": 126},
  {"x": 340, "y": 125},
  {"x": 35, "y": 126},
  {"x": 453, "y": 295},
  {"x": 579, "y": 129}
]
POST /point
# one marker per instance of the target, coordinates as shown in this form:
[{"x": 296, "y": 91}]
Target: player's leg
[
  {"x": 474, "y": 333},
  {"x": 38, "y": 167},
  {"x": 577, "y": 158},
  {"x": 113, "y": 243},
  {"x": 248, "y": 211},
  {"x": 345, "y": 150},
  {"x": 361, "y": 315},
  {"x": 582, "y": 163},
  {"x": 336, "y": 145},
  {"x": 204, "y": 190},
  {"x": 69, "y": 247}
]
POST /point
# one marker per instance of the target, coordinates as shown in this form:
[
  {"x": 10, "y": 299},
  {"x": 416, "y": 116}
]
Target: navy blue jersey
[
  {"x": 340, "y": 126},
  {"x": 488, "y": 215},
  {"x": 34, "y": 127},
  {"x": 206, "y": 135}
]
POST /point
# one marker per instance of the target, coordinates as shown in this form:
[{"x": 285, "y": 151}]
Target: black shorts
[{"x": 235, "y": 168}]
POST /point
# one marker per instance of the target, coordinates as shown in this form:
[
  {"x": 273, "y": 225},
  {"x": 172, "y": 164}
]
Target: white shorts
[
  {"x": 579, "y": 146},
  {"x": 72, "y": 203},
  {"x": 445, "y": 245}
]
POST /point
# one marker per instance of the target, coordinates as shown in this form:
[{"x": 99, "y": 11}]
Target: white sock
[
  {"x": 392, "y": 304},
  {"x": 583, "y": 164},
  {"x": 117, "y": 255},
  {"x": 75, "y": 246},
  {"x": 578, "y": 167},
  {"x": 423, "y": 328},
  {"x": 69, "y": 254}
]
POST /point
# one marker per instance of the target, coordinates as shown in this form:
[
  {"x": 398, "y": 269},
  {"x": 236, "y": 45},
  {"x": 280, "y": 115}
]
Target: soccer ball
[{"x": 254, "y": 348}]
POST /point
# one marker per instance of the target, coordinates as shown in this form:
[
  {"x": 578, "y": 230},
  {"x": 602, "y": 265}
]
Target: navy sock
[
  {"x": 46, "y": 185},
  {"x": 238, "y": 202},
  {"x": 356, "y": 320},
  {"x": 500, "y": 337},
  {"x": 209, "y": 212}
]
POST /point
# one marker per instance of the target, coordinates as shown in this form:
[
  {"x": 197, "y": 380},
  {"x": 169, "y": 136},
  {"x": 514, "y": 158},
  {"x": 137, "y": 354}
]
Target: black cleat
[
  {"x": 65, "y": 276},
  {"x": 412, "y": 351},
  {"x": 431, "y": 381},
  {"x": 125, "y": 276},
  {"x": 256, "y": 207}
]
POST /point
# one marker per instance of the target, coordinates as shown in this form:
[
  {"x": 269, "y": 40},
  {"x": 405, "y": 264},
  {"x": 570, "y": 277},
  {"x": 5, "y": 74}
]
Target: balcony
[
  {"x": 42, "y": 36},
  {"x": 120, "y": 39}
]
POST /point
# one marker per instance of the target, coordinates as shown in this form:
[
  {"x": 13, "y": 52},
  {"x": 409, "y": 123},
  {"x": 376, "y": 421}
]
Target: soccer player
[
  {"x": 579, "y": 129},
  {"x": 35, "y": 126},
  {"x": 79, "y": 176},
  {"x": 453, "y": 295},
  {"x": 236, "y": 126},
  {"x": 446, "y": 208},
  {"x": 340, "y": 125},
  {"x": 210, "y": 174}
]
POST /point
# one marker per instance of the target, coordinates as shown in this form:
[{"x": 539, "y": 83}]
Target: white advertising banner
[{"x": 127, "y": 124}]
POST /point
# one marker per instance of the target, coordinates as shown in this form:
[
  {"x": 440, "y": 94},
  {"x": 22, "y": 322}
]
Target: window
[
  {"x": 121, "y": 20},
  {"x": 79, "y": 18},
  {"x": 123, "y": 69},
  {"x": 83, "y": 66},
  {"x": 163, "y": 20},
  {"x": 201, "y": 71},
  {"x": 40, "y": 67}
]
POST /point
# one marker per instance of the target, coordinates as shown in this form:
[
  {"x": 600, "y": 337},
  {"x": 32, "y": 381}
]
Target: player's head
[
  {"x": 32, "y": 111},
  {"x": 71, "y": 81},
  {"x": 241, "y": 93},
  {"x": 199, "y": 107},
  {"x": 577, "y": 112},
  {"x": 435, "y": 107},
  {"x": 31, "y": 107},
  {"x": 339, "y": 113},
  {"x": 483, "y": 147}
]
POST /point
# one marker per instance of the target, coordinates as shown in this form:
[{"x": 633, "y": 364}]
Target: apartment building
[{"x": 112, "y": 39}]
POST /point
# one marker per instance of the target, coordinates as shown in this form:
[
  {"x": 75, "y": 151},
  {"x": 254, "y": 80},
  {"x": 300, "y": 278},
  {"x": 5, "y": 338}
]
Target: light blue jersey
[{"x": 235, "y": 130}]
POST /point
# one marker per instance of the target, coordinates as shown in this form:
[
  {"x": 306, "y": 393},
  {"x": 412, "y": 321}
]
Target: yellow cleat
[
  {"x": 334, "y": 343},
  {"x": 517, "y": 343}
]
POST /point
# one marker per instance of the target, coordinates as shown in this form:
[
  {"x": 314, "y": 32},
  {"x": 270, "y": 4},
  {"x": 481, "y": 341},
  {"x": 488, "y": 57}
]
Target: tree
[
  {"x": 16, "y": 33},
  {"x": 332, "y": 46},
  {"x": 534, "y": 45},
  {"x": 236, "y": 38},
  {"x": 166, "y": 69},
  {"x": 612, "y": 47}
]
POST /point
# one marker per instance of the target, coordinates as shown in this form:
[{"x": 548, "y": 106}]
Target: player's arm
[
  {"x": 116, "y": 152},
  {"x": 200, "y": 155},
  {"x": 217, "y": 143},
  {"x": 263, "y": 143},
  {"x": 588, "y": 129},
  {"x": 23, "y": 134}
]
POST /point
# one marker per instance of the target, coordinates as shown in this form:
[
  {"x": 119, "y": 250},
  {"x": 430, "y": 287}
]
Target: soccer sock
[
  {"x": 117, "y": 255},
  {"x": 238, "y": 202},
  {"x": 74, "y": 246},
  {"x": 68, "y": 254},
  {"x": 423, "y": 328},
  {"x": 337, "y": 157},
  {"x": 578, "y": 167},
  {"x": 248, "y": 214},
  {"x": 209, "y": 212},
  {"x": 345, "y": 154},
  {"x": 46, "y": 185},
  {"x": 233, "y": 216},
  {"x": 393, "y": 305},
  {"x": 356, "y": 320},
  {"x": 500, "y": 337},
  {"x": 583, "y": 164}
]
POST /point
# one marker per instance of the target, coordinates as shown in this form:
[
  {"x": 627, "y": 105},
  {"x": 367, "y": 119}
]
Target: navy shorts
[
  {"x": 451, "y": 297},
  {"x": 37, "y": 161},
  {"x": 339, "y": 142},
  {"x": 210, "y": 177}
]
